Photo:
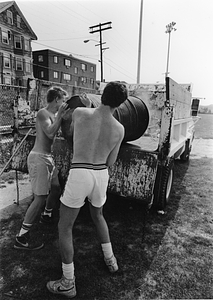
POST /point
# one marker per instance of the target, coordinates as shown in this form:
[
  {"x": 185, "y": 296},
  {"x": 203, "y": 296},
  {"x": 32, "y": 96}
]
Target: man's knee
[{"x": 96, "y": 215}]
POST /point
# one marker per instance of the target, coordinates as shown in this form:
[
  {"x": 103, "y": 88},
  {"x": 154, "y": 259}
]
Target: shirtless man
[
  {"x": 97, "y": 137},
  {"x": 42, "y": 171}
]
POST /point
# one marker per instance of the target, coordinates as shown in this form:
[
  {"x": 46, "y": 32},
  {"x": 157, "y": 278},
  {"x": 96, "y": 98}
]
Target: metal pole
[
  {"x": 139, "y": 43},
  {"x": 101, "y": 54},
  {"x": 167, "y": 66},
  {"x": 169, "y": 29}
]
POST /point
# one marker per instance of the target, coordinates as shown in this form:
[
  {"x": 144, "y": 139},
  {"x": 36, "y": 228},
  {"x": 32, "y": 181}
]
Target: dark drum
[{"x": 132, "y": 114}]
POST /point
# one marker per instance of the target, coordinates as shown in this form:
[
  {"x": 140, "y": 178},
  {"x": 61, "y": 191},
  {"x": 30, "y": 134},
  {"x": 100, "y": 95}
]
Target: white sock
[
  {"x": 25, "y": 228},
  {"x": 68, "y": 270},
  {"x": 48, "y": 212},
  {"x": 107, "y": 250}
]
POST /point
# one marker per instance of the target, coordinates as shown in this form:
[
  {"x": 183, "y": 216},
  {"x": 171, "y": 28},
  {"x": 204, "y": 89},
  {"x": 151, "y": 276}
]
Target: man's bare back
[{"x": 97, "y": 136}]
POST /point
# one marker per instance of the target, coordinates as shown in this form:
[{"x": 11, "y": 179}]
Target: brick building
[
  {"x": 15, "y": 45},
  {"x": 57, "y": 67}
]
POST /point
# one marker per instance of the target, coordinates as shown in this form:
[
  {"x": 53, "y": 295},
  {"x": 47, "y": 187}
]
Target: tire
[{"x": 164, "y": 185}]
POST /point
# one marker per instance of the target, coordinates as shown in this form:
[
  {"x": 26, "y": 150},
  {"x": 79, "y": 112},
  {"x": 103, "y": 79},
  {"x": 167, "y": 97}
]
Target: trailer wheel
[
  {"x": 184, "y": 157},
  {"x": 165, "y": 185}
]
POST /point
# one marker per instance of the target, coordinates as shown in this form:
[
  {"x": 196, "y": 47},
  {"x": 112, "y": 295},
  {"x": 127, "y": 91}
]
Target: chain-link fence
[
  {"x": 18, "y": 109},
  {"x": 8, "y": 97}
]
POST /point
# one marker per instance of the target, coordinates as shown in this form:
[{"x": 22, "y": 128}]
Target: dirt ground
[{"x": 166, "y": 256}]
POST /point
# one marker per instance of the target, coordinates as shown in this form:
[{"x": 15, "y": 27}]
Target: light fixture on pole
[
  {"x": 101, "y": 54},
  {"x": 169, "y": 29}
]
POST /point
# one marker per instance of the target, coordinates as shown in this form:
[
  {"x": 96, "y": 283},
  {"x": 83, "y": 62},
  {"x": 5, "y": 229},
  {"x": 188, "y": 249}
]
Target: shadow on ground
[{"x": 135, "y": 234}]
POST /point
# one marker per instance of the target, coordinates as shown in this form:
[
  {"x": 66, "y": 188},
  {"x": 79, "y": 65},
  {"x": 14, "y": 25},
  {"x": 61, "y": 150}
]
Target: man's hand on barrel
[
  {"x": 85, "y": 100},
  {"x": 64, "y": 110}
]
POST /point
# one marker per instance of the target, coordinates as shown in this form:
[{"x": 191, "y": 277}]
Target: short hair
[
  {"x": 114, "y": 94},
  {"x": 55, "y": 92}
]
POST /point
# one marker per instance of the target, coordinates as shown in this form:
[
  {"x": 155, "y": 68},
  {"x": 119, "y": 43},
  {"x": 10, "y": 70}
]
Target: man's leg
[
  {"x": 100, "y": 223},
  {"x": 52, "y": 199},
  {"x": 35, "y": 208},
  {"x": 67, "y": 218},
  {"x": 65, "y": 285},
  {"x": 103, "y": 234},
  {"x": 22, "y": 240}
]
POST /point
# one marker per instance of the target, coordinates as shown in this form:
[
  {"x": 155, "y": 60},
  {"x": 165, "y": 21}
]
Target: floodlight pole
[
  {"x": 139, "y": 43},
  {"x": 169, "y": 29}
]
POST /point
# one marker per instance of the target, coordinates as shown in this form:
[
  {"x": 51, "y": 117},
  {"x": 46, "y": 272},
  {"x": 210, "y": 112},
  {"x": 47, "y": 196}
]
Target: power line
[
  {"x": 62, "y": 50},
  {"x": 69, "y": 10},
  {"x": 119, "y": 71},
  {"x": 117, "y": 65}
]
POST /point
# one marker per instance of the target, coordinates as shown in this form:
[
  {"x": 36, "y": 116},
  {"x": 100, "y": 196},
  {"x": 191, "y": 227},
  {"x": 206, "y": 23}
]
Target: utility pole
[{"x": 99, "y": 28}]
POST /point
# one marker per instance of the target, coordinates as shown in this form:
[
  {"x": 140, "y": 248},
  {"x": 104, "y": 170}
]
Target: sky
[{"x": 64, "y": 25}]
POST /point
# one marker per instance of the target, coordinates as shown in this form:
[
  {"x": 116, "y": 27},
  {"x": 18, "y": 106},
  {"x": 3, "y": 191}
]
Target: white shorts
[
  {"x": 86, "y": 181},
  {"x": 42, "y": 172}
]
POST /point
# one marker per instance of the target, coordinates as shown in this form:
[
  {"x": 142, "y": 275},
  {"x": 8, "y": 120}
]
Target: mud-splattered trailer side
[{"x": 144, "y": 167}]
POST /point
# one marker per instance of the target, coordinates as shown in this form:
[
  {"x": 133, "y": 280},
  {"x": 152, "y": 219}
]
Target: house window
[
  {"x": 83, "y": 67},
  {"x": 19, "y": 64},
  {"x": 18, "y": 21},
  {"x": 91, "y": 80},
  {"x": 92, "y": 69},
  {"x": 7, "y": 62},
  {"x": 42, "y": 74},
  {"x": 9, "y": 17},
  {"x": 84, "y": 79},
  {"x": 67, "y": 76},
  {"x": 76, "y": 70},
  {"x": 40, "y": 58},
  {"x": 5, "y": 37},
  {"x": 27, "y": 67},
  {"x": 27, "y": 45},
  {"x": 67, "y": 62},
  {"x": 55, "y": 74},
  {"x": 7, "y": 80},
  {"x": 55, "y": 59},
  {"x": 17, "y": 40}
]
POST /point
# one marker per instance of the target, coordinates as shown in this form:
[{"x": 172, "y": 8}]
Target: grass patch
[{"x": 160, "y": 256}]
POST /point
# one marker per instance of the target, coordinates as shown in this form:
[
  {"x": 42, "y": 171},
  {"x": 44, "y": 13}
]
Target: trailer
[{"x": 144, "y": 169}]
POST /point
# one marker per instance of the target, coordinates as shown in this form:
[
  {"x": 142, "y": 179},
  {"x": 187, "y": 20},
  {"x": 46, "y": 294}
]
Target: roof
[
  {"x": 8, "y": 4},
  {"x": 65, "y": 55}
]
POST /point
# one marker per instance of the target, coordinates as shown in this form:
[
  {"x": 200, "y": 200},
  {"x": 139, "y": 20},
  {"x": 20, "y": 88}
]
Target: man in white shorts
[
  {"x": 42, "y": 171},
  {"x": 97, "y": 137}
]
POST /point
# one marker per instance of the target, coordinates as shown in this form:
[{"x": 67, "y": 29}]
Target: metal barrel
[{"x": 132, "y": 114}]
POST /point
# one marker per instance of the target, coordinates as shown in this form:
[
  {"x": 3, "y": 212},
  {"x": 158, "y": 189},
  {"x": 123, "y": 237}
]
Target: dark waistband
[{"x": 88, "y": 166}]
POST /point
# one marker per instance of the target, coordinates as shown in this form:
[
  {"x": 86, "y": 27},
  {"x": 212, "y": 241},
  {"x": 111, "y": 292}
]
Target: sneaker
[
  {"x": 63, "y": 286},
  {"x": 45, "y": 219},
  {"x": 111, "y": 264},
  {"x": 22, "y": 243}
]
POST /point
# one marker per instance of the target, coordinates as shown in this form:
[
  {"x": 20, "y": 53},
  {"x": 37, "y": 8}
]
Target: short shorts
[
  {"x": 42, "y": 171},
  {"x": 86, "y": 181}
]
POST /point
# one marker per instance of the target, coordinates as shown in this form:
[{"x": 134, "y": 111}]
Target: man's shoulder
[
  {"x": 83, "y": 110},
  {"x": 42, "y": 110},
  {"x": 119, "y": 127}
]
